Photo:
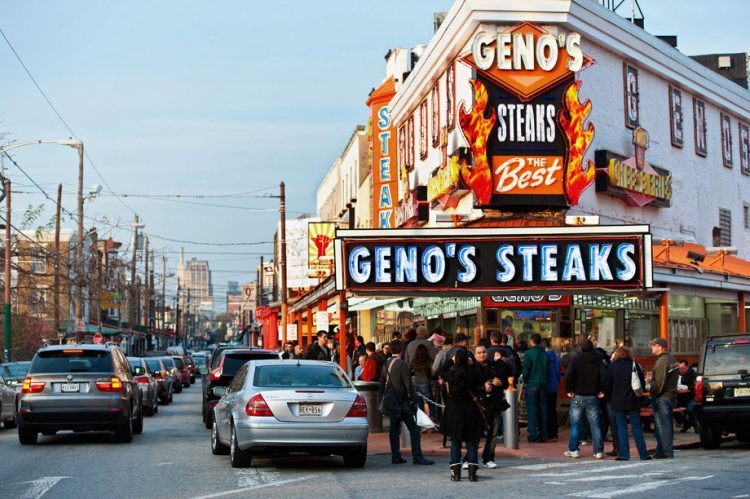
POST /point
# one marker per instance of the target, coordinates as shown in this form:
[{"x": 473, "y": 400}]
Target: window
[
  {"x": 746, "y": 216},
  {"x": 302, "y": 376},
  {"x": 435, "y": 123},
  {"x": 70, "y": 361},
  {"x": 410, "y": 143},
  {"x": 725, "y": 227},
  {"x": 699, "y": 127},
  {"x": 38, "y": 261},
  {"x": 744, "y": 149},
  {"x": 726, "y": 140},
  {"x": 402, "y": 147},
  {"x": 632, "y": 97},
  {"x": 423, "y": 130},
  {"x": 450, "y": 96},
  {"x": 676, "y": 116}
]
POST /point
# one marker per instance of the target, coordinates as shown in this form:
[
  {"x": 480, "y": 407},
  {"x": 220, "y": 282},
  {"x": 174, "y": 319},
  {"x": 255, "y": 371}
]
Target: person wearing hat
[{"x": 663, "y": 389}]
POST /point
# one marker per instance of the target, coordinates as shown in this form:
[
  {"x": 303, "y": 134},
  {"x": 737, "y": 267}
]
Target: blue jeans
[
  {"x": 588, "y": 404},
  {"x": 472, "y": 451},
  {"x": 621, "y": 421},
  {"x": 488, "y": 453},
  {"x": 394, "y": 434},
  {"x": 536, "y": 412},
  {"x": 663, "y": 408}
]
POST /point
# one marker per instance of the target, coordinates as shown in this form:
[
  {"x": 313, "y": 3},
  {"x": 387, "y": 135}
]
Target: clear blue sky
[{"x": 187, "y": 97}]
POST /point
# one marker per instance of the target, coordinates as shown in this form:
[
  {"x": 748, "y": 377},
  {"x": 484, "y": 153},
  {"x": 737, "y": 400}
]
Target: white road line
[
  {"x": 609, "y": 492},
  {"x": 743, "y": 495},
  {"x": 601, "y": 469},
  {"x": 255, "y": 487},
  {"x": 613, "y": 477},
  {"x": 539, "y": 467},
  {"x": 41, "y": 486}
]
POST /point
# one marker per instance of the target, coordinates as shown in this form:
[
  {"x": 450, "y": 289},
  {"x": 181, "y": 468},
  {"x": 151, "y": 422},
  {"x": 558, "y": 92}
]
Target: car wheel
[
  {"x": 13, "y": 422},
  {"x": 124, "y": 434},
  {"x": 355, "y": 458},
  {"x": 156, "y": 406},
  {"x": 209, "y": 419},
  {"x": 238, "y": 457},
  {"x": 138, "y": 425},
  {"x": 742, "y": 436},
  {"x": 217, "y": 448},
  {"x": 147, "y": 411},
  {"x": 26, "y": 436},
  {"x": 203, "y": 410},
  {"x": 710, "y": 437},
  {"x": 192, "y": 380}
]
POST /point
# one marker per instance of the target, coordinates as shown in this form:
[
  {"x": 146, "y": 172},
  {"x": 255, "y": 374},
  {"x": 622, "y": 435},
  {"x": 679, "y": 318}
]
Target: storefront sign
[
  {"x": 383, "y": 148},
  {"x": 527, "y": 128},
  {"x": 531, "y": 301},
  {"x": 320, "y": 237},
  {"x": 493, "y": 261}
]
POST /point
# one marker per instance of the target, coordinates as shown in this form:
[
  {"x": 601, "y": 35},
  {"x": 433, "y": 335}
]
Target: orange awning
[{"x": 691, "y": 256}]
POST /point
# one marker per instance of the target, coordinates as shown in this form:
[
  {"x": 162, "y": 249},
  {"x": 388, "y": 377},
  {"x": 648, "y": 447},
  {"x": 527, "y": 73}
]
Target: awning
[
  {"x": 691, "y": 256},
  {"x": 93, "y": 329},
  {"x": 370, "y": 303}
]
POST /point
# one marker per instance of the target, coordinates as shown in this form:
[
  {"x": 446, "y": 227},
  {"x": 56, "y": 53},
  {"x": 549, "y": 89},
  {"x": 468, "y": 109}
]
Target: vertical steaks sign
[
  {"x": 526, "y": 128},
  {"x": 493, "y": 261},
  {"x": 383, "y": 152}
]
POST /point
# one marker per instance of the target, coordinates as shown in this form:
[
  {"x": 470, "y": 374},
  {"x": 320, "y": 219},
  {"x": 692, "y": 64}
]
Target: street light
[{"x": 76, "y": 144}]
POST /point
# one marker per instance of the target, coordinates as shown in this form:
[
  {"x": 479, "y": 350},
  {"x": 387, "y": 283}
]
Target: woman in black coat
[
  {"x": 626, "y": 404},
  {"x": 462, "y": 420}
]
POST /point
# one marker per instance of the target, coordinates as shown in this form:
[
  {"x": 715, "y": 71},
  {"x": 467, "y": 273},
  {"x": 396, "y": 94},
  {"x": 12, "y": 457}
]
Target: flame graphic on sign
[
  {"x": 578, "y": 136},
  {"x": 476, "y": 129}
]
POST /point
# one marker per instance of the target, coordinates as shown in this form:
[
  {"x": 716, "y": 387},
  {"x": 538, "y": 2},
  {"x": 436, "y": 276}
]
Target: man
[
  {"x": 507, "y": 324},
  {"x": 526, "y": 333},
  {"x": 359, "y": 347},
  {"x": 685, "y": 393},
  {"x": 441, "y": 355},
  {"x": 535, "y": 374},
  {"x": 584, "y": 382},
  {"x": 421, "y": 339},
  {"x": 299, "y": 352},
  {"x": 553, "y": 382},
  {"x": 396, "y": 375},
  {"x": 438, "y": 341},
  {"x": 607, "y": 413},
  {"x": 360, "y": 367},
  {"x": 288, "y": 351},
  {"x": 319, "y": 350},
  {"x": 663, "y": 388},
  {"x": 494, "y": 344},
  {"x": 510, "y": 356},
  {"x": 373, "y": 365},
  {"x": 459, "y": 341},
  {"x": 494, "y": 375}
]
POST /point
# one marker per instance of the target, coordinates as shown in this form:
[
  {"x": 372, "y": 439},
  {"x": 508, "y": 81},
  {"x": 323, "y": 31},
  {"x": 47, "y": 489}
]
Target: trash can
[{"x": 370, "y": 390}]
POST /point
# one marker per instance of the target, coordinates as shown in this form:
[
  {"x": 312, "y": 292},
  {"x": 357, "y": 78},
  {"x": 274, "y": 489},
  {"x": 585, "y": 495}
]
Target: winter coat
[
  {"x": 554, "y": 372},
  {"x": 411, "y": 349},
  {"x": 666, "y": 372},
  {"x": 586, "y": 375},
  {"x": 315, "y": 352},
  {"x": 492, "y": 400},
  {"x": 535, "y": 372},
  {"x": 619, "y": 385},
  {"x": 462, "y": 419}
]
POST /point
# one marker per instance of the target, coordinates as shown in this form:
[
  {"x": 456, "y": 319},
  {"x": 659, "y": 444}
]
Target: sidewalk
[{"x": 432, "y": 445}]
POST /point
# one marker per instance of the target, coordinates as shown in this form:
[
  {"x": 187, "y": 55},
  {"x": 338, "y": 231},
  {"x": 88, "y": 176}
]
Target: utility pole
[
  {"x": 177, "y": 312},
  {"x": 131, "y": 294},
  {"x": 57, "y": 259},
  {"x": 282, "y": 257},
  {"x": 79, "y": 246},
  {"x": 6, "y": 305},
  {"x": 262, "y": 273},
  {"x": 151, "y": 317},
  {"x": 146, "y": 311},
  {"x": 163, "y": 291}
]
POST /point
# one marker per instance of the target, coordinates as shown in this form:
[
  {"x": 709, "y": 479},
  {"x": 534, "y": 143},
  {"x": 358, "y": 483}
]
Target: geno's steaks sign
[{"x": 493, "y": 261}]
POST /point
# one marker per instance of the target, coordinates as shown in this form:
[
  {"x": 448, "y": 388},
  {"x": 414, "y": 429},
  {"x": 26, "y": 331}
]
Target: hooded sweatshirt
[{"x": 586, "y": 375}]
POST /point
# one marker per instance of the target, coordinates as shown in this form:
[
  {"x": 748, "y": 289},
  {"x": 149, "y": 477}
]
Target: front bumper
[{"x": 268, "y": 433}]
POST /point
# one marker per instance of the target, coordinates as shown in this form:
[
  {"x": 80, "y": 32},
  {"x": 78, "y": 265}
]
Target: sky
[{"x": 221, "y": 98}]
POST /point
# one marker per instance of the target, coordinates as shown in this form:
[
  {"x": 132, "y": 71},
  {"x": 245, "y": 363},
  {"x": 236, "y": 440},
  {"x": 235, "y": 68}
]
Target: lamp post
[{"x": 76, "y": 144}]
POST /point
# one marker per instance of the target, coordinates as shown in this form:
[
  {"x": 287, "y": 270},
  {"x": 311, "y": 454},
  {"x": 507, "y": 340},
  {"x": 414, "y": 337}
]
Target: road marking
[
  {"x": 41, "y": 486},
  {"x": 613, "y": 477},
  {"x": 743, "y": 495},
  {"x": 539, "y": 467},
  {"x": 255, "y": 487},
  {"x": 164, "y": 464},
  {"x": 610, "y": 492},
  {"x": 601, "y": 469}
]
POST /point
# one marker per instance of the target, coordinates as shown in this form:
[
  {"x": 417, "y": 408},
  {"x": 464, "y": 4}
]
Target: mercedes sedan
[{"x": 283, "y": 406}]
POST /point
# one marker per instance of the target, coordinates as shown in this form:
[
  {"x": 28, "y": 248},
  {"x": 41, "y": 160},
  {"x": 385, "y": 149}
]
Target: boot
[
  {"x": 473, "y": 472},
  {"x": 456, "y": 472}
]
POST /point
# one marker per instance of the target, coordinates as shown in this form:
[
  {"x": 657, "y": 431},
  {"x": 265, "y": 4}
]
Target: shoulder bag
[
  {"x": 635, "y": 382},
  {"x": 390, "y": 405},
  {"x": 482, "y": 411}
]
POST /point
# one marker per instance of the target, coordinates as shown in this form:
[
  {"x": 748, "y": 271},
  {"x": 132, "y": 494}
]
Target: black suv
[
  {"x": 224, "y": 366},
  {"x": 722, "y": 389}
]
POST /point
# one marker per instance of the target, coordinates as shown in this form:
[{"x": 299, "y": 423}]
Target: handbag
[
  {"x": 423, "y": 420},
  {"x": 482, "y": 411},
  {"x": 635, "y": 382},
  {"x": 390, "y": 404}
]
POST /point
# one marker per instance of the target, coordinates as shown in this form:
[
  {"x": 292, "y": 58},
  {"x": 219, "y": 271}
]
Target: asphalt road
[{"x": 172, "y": 458}]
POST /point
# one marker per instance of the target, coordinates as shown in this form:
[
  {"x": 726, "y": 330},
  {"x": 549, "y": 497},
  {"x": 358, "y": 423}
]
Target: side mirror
[
  {"x": 139, "y": 371},
  {"x": 219, "y": 391},
  {"x": 8, "y": 382}
]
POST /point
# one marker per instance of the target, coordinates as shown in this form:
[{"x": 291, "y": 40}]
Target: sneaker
[
  {"x": 583, "y": 442},
  {"x": 465, "y": 466},
  {"x": 490, "y": 464},
  {"x": 598, "y": 455},
  {"x": 572, "y": 453}
]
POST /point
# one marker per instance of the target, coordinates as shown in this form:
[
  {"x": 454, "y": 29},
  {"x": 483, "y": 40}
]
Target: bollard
[
  {"x": 370, "y": 391},
  {"x": 510, "y": 419}
]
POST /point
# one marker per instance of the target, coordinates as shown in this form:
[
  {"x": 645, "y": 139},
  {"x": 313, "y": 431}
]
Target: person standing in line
[
  {"x": 373, "y": 366},
  {"x": 319, "y": 350},
  {"x": 462, "y": 421},
  {"x": 607, "y": 418},
  {"x": 360, "y": 367},
  {"x": 535, "y": 376},
  {"x": 553, "y": 382},
  {"x": 663, "y": 389},
  {"x": 421, "y": 339},
  {"x": 626, "y": 404},
  {"x": 421, "y": 368},
  {"x": 585, "y": 383},
  {"x": 494, "y": 375},
  {"x": 299, "y": 352},
  {"x": 494, "y": 344},
  {"x": 359, "y": 347}
]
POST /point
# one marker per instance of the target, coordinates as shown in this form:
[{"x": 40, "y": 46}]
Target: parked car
[
  {"x": 148, "y": 384},
  {"x": 174, "y": 373},
  {"x": 163, "y": 379},
  {"x": 183, "y": 370},
  {"x": 8, "y": 403},
  {"x": 191, "y": 367},
  {"x": 722, "y": 389},
  {"x": 274, "y": 406},
  {"x": 80, "y": 388},
  {"x": 227, "y": 363},
  {"x": 14, "y": 372},
  {"x": 201, "y": 366}
]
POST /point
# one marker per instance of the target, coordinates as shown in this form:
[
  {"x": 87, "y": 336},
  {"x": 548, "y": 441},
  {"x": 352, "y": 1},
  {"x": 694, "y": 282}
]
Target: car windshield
[
  {"x": 17, "y": 370},
  {"x": 233, "y": 362},
  {"x": 179, "y": 363},
  {"x": 199, "y": 361},
  {"x": 727, "y": 359},
  {"x": 299, "y": 376},
  {"x": 154, "y": 365},
  {"x": 73, "y": 361},
  {"x": 168, "y": 362}
]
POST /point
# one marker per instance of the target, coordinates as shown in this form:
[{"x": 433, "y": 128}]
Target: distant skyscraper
[
  {"x": 233, "y": 288},
  {"x": 195, "y": 281}
]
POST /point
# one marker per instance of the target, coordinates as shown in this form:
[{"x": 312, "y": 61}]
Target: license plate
[
  {"x": 742, "y": 392},
  {"x": 310, "y": 410},
  {"x": 70, "y": 387}
]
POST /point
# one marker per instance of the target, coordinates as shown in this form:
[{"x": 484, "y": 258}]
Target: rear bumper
[
  {"x": 726, "y": 416},
  {"x": 261, "y": 434},
  {"x": 73, "y": 420}
]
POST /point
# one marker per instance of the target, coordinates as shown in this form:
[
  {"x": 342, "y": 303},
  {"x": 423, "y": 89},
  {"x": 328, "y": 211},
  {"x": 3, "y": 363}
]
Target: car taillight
[
  {"x": 141, "y": 379},
  {"x": 29, "y": 386},
  {"x": 114, "y": 384},
  {"x": 216, "y": 374},
  {"x": 698, "y": 390},
  {"x": 358, "y": 409},
  {"x": 257, "y": 406}
]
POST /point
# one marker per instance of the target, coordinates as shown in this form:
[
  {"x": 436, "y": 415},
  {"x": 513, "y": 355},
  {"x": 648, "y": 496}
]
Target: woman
[
  {"x": 626, "y": 404},
  {"x": 421, "y": 369},
  {"x": 462, "y": 420}
]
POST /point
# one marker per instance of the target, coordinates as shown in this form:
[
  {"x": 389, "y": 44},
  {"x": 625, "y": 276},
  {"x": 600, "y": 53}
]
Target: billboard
[{"x": 320, "y": 237}]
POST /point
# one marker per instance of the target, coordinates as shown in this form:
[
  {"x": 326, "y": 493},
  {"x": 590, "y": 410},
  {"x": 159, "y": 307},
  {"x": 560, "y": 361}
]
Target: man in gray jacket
[
  {"x": 663, "y": 389},
  {"x": 421, "y": 339}
]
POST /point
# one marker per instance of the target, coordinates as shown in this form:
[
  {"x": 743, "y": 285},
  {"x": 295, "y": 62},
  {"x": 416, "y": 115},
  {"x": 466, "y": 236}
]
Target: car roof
[
  {"x": 727, "y": 337},
  {"x": 77, "y": 346},
  {"x": 294, "y": 362},
  {"x": 248, "y": 350}
]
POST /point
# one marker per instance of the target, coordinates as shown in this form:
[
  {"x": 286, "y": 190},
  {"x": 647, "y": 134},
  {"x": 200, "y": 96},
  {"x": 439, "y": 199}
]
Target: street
[{"x": 172, "y": 458}]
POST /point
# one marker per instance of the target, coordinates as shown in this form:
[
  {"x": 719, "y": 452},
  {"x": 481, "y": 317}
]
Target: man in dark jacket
[
  {"x": 685, "y": 396},
  {"x": 319, "y": 350},
  {"x": 585, "y": 382},
  {"x": 663, "y": 389},
  {"x": 553, "y": 382},
  {"x": 494, "y": 377},
  {"x": 535, "y": 375}
]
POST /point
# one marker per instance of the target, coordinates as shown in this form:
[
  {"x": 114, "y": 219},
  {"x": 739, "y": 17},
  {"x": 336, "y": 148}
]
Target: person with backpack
[{"x": 625, "y": 384}]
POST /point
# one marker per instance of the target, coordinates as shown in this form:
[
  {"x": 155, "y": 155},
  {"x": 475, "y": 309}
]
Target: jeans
[
  {"x": 536, "y": 412},
  {"x": 488, "y": 453},
  {"x": 394, "y": 436},
  {"x": 690, "y": 418},
  {"x": 552, "y": 423},
  {"x": 621, "y": 421},
  {"x": 588, "y": 404},
  {"x": 663, "y": 408},
  {"x": 472, "y": 451}
]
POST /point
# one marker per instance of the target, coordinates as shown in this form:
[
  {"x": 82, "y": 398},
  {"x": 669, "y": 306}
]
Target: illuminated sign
[
  {"x": 385, "y": 194},
  {"x": 531, "y": 301},
  {"x": 494, "y": 261}
]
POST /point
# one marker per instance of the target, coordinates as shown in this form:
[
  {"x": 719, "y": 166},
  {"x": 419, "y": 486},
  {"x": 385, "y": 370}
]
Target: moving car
[
  {"x": 173, "y": 373},
  {"x": 225, "y": 366},
  {"x": 183, "y": 370},
  {"x": 282, "y": 406},
  {"x": 80, "y": 388},
  {"x": 191, "y": 367},
  {"x": 149, "y": 386},
  {"x": 8, "y": 403},
  {"x": 722, "y": 389},
  {"x": 164, "y": 382},
  {"x": 14, "y": 372}
]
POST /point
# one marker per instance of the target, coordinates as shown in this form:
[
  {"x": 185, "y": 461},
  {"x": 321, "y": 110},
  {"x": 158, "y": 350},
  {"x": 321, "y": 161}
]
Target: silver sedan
[{"x": 282, "y": 406}]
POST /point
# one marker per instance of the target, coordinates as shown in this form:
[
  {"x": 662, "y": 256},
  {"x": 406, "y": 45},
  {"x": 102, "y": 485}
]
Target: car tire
[
  {"x": 209, "y": 419},
  {"x": 203, "y": 411},
  {"x": 237, "y": 457},
  {"x": 26, "y": 436},
  {"x": 742, "y": 436},
  {"x": 192, "y": 380},
  {"x": 217, "y": 448},
  {"x": 355, "y": 458},
  {"x": 156, "y": 407},
  {"x": 148, "y": 411},
  {"x": 138, "y": 425},
  {"x": 124, "y": 434},
  {"x": 178, "y": 389},
  {"x": 710, "y": 437},
  {"x": 13, "y": 422}
]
